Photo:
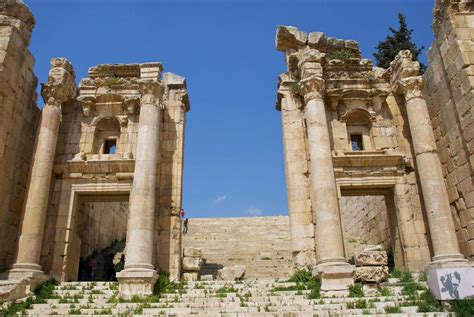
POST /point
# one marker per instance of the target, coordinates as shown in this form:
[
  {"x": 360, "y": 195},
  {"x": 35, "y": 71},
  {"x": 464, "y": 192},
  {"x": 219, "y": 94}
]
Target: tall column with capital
[
  {"x": 59, "y": 89},
  {"x": 435, "y": 196},
  {"x": 139, "y": 275},
  {"x": 335, "y": 272}
]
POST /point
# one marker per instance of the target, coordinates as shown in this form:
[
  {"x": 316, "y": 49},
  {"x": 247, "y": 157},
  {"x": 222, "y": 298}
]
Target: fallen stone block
[
  {"x": 191, "y": 264},
  {"x": 375, "y": 274},
  {"x": 192, "y": 252},
  {"x": 190, "y": 276},
  {"x": 12, "y": 289},
  {"x": 231, "y": 273},
  {"x": 371, "y": 258}
]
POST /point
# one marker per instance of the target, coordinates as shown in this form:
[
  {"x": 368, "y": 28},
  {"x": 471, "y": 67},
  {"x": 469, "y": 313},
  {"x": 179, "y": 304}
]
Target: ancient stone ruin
[
  {"x": 382, "y": 144},
  {"x": 379, "y": 169}
]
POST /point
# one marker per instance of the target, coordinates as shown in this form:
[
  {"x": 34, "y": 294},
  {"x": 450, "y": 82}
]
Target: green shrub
[
  {"x": 304, "y": 281},
  {"x": 428, "y": 303},
  {"x": 422, "y": 277},
  {"x": 342, "y": 54},
  {"x": 463, "y": 307},
  {"x": 395, "y": 273},
  {"x": 295, "y": 87},
  {"x": 356, "y": 290},
  {"x": 384, "y": 291},
  {"x": 361, "y": 304},
  {"x": 406, "y": 277}
]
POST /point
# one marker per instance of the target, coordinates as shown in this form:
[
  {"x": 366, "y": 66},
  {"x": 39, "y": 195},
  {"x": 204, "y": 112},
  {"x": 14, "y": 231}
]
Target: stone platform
[{"x": 261, "y": 244}]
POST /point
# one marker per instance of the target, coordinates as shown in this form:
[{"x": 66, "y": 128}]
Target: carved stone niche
[{"x": 358, "y": 116}]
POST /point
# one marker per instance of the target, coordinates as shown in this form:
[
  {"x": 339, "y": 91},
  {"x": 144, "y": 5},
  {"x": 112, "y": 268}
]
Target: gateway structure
[
  {"x": 107, "y": 164},
  {"x": 379, "y": 156}
]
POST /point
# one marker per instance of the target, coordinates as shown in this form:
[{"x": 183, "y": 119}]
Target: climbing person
[
  {"x": 121, "y": 264},
  {"x": 185, "y": 225},
  {"x": 92, "y": 267},
  {"x": 181, "y": 213}
]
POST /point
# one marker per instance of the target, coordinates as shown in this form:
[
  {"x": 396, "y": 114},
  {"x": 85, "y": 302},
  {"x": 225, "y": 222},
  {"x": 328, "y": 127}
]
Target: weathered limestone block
[
  {"x": 335, "y": 279},
  {"x": 190, "y": 276},
  {"x": 207, "y": 277},
  {"x": 192, "y": 252},
  {"x": 375, "y": 274},
  {"x": 304, "y": 259},
  {"x": 231, "y": 273},
  {"x": 371, "y": 258},
  {"x": 12, "y": 289},
  {"x": 191, "y": 264},
  {"x": 290, "y": 37}
]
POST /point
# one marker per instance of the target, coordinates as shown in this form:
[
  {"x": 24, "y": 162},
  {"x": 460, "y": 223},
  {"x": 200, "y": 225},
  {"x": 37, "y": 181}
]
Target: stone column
[
  {"x": 139, "y": 275},
  {"x": 329, "y": 240},
  {"x": 334, "y": 271},
  {"x": 296, "y": 169},
  {"x": 435, "y": 196},
  {"x": 59, "y": 89}
]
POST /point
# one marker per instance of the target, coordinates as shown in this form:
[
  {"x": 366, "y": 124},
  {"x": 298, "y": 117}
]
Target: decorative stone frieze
[{"x": 371, "y": 274}]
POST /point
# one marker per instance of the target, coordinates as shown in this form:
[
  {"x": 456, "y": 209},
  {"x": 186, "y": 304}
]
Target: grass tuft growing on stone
[{"x": 356, "y": 290}]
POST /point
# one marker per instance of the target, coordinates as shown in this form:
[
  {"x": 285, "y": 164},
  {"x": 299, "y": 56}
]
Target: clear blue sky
[{"x": 233, "y": 154}]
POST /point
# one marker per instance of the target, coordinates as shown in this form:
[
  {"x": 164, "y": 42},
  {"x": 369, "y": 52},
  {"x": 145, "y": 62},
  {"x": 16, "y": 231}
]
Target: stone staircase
[
  {"x": 215, "y": 298},
  {"x": 261, "y": 244}
]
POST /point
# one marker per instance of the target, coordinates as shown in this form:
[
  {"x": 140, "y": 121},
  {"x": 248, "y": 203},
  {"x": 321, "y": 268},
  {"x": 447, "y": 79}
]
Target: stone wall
[
  {"x": 449, "y": 82},
  {"x": 365, "y": 221},
  {"x": 261, "y": 244},
  {"x": 102, "y": 224},
  {"x": 170, "y": 175},
  {"x": 19, "y": 117}
]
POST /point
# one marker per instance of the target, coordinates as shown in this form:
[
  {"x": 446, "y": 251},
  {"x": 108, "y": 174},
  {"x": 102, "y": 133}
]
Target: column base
[
  {"x": 335, "y": 277},
  {"x": 136, "y": 283},
  {"x": 30, "y": 272},
  {"x": 449, "y": 280}
]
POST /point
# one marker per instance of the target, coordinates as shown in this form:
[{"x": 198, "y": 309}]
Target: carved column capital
[
  {"x": 131, "y": 104},
  {"x": 87, "y": 103},
  {"x": 61, "y": 86},
  {"x": 151, "y": 91},
  {"x": 412, "y": 87},
  {"x": 312, "y": 88}
]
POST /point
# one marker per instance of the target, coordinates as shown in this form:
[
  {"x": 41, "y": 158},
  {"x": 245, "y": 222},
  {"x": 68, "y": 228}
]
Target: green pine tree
[{"x": 399, "y": 40}]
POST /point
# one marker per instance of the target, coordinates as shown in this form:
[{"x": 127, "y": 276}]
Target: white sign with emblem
[{"x": 451, "y": 283}]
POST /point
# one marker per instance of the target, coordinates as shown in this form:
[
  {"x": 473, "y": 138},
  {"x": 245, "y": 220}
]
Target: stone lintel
[
  {"x": 174, "y": 81},
  {"x": 95, "y": 167},
  {"x": 368, "y": 158},
  {"x": 122, "y": 70}
]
